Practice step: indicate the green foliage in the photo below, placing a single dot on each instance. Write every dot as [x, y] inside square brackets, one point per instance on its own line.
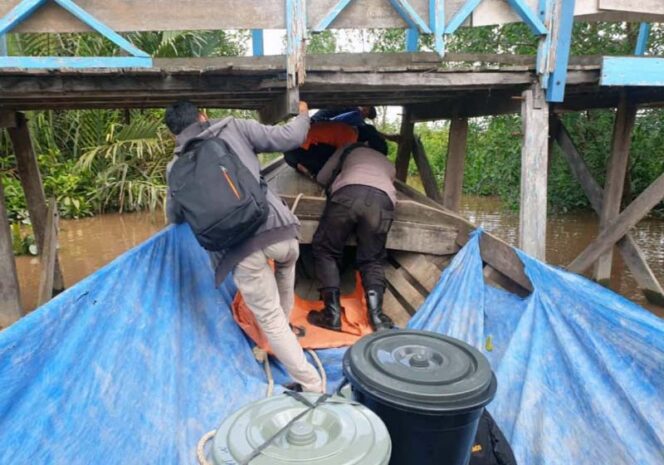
[101, 160]
[114, 160]
[493, 158]
[323, 42]
[22, 244]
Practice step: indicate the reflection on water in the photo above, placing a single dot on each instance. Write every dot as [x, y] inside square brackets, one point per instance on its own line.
[88, 244]
[568, 235]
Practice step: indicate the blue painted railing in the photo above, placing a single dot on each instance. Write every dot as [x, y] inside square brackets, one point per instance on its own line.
[22, 11]
[553, 22]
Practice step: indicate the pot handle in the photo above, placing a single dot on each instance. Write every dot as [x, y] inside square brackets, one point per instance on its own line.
[343, 384]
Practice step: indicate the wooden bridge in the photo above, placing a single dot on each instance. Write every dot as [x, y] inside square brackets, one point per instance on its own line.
[430, 86]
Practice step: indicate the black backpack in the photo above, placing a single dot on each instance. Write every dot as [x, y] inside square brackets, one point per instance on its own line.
[490, 446]
[218, 196]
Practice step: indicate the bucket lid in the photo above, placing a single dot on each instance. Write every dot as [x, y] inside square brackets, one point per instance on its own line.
[421, 370]
[337, 432]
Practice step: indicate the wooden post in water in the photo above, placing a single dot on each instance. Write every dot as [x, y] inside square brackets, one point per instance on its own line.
[615, 180]
[425, 170]
[405, 145]
[620, 225]
[48, 255]
[534, 164]
[28, 170]
[456, 155]
[10, 296]
[631, 253]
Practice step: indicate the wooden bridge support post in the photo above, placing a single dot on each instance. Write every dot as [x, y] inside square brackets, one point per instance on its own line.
[620, 225]
[456, 155]
[28, 170]
[405, 145]
[630, 251]
[615, 180]
[10, 295]
[534, 164]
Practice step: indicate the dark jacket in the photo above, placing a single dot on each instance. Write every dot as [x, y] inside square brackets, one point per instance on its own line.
[247, 138]
[364, 167]
[490, 446]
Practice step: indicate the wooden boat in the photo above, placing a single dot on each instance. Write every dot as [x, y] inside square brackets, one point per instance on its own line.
[422, 241]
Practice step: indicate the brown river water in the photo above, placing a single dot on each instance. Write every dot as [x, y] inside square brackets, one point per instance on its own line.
[88, 244]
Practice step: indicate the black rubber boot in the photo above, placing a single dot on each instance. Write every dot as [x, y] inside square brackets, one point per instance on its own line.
[378, 320]
[330, 316]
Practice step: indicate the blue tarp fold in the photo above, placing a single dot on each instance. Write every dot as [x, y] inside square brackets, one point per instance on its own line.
[136, 362]
[580, 369]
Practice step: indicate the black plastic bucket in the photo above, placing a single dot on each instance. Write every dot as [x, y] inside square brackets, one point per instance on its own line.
[430, 391]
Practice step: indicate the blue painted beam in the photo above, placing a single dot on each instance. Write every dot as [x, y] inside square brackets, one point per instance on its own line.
[331, 16]
[18, 14]
[632, 71]
[531, 19]
[461, 16]
[257, 42]
[545, 13]
[642, 41]
[412, 40]
[74, 62]
[101, 28]
[409, 15]
[437, 24]
[555, 90]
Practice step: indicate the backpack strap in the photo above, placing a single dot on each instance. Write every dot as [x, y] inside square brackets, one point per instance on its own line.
[195, 140]
[340, 164]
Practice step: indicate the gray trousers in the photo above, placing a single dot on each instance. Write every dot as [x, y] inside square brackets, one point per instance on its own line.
[270, 296]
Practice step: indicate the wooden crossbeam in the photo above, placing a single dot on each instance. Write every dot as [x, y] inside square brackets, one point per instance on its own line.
[485, 104]
[617, 228]
[615, 180]
[630, 251]
[425, 170]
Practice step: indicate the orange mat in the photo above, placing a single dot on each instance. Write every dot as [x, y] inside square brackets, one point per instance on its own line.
[354, 323]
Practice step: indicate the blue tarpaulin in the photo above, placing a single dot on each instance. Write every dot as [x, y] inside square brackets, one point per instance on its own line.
[136, 362]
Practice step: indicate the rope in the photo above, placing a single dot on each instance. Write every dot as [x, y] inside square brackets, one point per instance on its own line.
[270, 379]
[263, 357]
[200, 448]
[321, 368]
[296, 202]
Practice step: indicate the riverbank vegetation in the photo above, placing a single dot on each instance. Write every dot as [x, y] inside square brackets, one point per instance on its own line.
[114, 160]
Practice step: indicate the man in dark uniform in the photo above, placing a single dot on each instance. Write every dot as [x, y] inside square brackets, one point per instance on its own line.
[361, 200]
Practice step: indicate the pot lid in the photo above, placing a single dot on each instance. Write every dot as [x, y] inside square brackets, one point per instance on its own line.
[337, 432]
[421, 370]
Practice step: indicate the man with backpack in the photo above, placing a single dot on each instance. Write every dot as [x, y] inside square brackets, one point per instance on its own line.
[214, 184]
[361, 197]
